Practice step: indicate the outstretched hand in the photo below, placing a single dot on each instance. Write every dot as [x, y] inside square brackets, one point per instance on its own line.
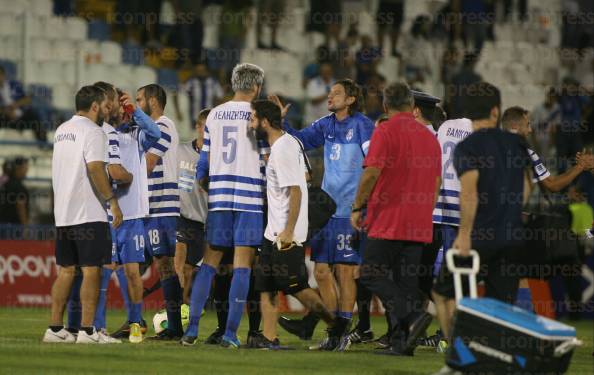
[585, 160]
[276, 100]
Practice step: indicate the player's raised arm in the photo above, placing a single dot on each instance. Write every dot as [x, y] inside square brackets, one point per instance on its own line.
[149, 133]
[311, 137]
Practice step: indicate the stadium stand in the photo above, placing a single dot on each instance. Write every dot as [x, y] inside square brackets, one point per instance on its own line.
[53, 55]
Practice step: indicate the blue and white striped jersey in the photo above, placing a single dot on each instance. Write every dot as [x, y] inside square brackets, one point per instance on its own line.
[236, 181]
[127, 146]
[113, 144]
[539, 171]
[162, 182]
[447, 208]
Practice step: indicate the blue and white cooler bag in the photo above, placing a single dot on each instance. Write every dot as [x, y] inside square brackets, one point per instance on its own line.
[493, 337]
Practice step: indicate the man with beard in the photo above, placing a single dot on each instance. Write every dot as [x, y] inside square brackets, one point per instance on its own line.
[164, 206]
[81, 192]
[127, 169]
[231, 159]
[286, 227]
[345, 135]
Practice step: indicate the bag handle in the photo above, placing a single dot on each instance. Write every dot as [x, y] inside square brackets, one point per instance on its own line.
[305, 158]
[459, 271]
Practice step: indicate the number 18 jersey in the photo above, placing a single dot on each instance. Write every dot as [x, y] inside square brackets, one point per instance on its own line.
[447, 208]
[236, 181]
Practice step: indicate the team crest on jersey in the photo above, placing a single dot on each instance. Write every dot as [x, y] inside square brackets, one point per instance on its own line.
[349, 135]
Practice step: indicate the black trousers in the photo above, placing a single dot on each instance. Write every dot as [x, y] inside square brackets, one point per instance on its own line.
[390, 271]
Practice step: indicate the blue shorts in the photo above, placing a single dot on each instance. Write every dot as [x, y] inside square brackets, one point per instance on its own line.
[338, 243]
[161, 232]
[228, 229]
[129, 242]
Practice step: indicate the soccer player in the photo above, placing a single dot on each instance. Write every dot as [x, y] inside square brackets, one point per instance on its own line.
[193, 206]
[516, 120]
[345, 135]
[231, 158]
[286, 228]
[81, 192]
[161, 162]
[136, 137]
[118, 175]
[446, 215]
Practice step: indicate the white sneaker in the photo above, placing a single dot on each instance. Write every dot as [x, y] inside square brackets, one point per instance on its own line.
[60, 337]
[105, 338]
[85, 338]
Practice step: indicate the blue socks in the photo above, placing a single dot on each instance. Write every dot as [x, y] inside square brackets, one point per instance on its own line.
[200, 293]
[240, 285]
[135, 313]
[102, 302]
[73, 306]
[123, 281]
[524, 299]
[345, 315]
[173, 299]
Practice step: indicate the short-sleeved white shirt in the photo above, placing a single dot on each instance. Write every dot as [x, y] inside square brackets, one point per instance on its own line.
[285, 168]
[77, 142]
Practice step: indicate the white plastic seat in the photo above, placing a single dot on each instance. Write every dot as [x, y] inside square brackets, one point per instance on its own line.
[64, 50]
[76, 28]
[41, 7]
[111, 52]
[55, 27]
[10, 24]
[388, 67]
[13, 6]
[50, 72]
[143, 75]
[36, 26]
[10, 47]
[41, 49]
[63, 96]
[69, 72]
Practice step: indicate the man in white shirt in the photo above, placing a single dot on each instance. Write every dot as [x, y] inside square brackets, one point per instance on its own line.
[316, 92]
[287, 225]
[81, 193]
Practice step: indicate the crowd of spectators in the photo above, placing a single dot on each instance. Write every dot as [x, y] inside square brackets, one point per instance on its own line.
[169, 34]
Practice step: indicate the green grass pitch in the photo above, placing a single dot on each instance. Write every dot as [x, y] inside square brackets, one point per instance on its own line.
[21, 352]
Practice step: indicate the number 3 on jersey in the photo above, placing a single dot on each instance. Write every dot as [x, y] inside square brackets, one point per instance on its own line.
[230, 141]
[335, 155]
